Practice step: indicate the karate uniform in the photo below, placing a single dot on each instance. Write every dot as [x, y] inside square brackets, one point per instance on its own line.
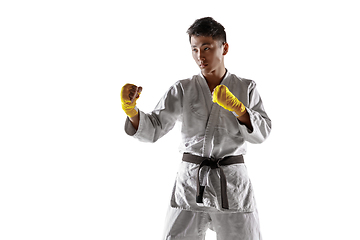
[210, 131]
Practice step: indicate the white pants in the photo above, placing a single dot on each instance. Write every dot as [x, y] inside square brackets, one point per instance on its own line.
[188, 225]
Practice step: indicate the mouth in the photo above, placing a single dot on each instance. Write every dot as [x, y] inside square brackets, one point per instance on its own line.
[203, 65]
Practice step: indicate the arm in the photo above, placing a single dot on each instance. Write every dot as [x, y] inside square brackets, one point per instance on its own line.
[152, 126]
[245, 120]
[254, 125]
[135, 121]
[227, 100]
[259, 119]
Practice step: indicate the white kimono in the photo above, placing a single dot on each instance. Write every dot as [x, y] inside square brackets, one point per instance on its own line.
[208, 130]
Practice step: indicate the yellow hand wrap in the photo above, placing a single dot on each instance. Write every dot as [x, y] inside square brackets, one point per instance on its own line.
[127, 105]
[227, 100]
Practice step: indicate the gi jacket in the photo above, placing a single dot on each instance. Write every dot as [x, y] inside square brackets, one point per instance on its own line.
[208, 130]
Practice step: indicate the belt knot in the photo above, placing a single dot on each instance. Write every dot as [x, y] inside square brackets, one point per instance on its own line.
[213, 164]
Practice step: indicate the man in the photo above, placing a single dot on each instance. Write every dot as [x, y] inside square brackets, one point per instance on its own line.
[219, 112]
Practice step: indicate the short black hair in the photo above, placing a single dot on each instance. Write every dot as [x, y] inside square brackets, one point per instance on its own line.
[207, 27]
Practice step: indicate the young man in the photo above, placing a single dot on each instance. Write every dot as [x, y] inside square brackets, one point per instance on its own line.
[219, 112]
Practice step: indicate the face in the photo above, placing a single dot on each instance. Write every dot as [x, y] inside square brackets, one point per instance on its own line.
[208, 53]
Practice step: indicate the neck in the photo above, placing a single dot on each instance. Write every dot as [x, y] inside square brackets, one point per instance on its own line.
[214, 78]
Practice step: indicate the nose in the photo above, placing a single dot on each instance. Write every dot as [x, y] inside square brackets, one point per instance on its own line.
[200, 56]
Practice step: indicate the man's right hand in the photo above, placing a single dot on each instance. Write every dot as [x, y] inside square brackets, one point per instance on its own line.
[129, 94]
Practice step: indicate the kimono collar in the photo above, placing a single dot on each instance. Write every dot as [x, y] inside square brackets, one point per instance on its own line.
[206, 91]
[224, 81]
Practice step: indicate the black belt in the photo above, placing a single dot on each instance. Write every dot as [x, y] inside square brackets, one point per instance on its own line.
[213, 164]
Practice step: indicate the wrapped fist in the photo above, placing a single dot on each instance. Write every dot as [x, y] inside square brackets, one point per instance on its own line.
[129, 94]
[227, 100]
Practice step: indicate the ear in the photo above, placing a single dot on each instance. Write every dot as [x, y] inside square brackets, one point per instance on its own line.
[226, 48]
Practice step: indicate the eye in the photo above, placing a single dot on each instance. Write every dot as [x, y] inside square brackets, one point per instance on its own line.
[205, 49]
[194, 50]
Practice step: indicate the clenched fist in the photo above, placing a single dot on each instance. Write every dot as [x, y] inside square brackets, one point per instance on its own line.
[227, 100]
[129, 94]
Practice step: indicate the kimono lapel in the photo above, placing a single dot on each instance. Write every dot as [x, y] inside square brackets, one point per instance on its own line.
[226, 80]
[208, 143]
[214, 110]
[205, 91]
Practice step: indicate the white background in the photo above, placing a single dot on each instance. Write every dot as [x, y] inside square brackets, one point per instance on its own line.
[69, 171]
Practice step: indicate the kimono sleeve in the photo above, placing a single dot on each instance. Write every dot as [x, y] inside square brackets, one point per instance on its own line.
[260, 121]
[161, 120]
